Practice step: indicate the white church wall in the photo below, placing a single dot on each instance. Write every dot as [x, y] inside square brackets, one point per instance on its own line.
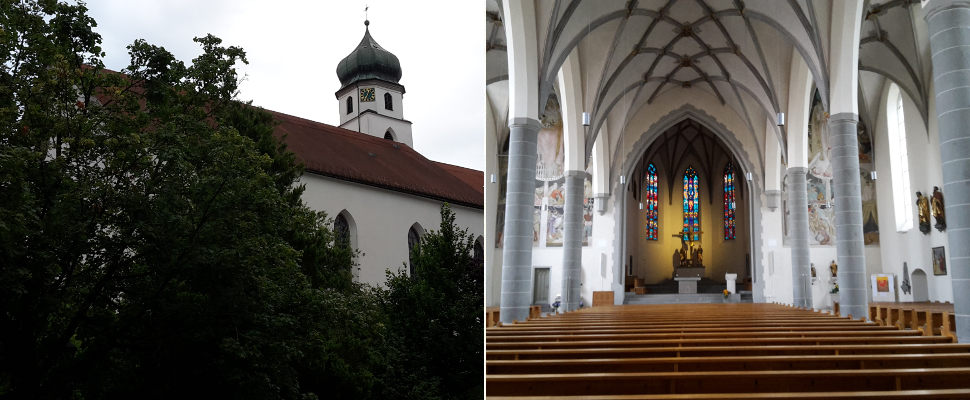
[776, 258]
[381, 229]
[912, 247]
[598, 256]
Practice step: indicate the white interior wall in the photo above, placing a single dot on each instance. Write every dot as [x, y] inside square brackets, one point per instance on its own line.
[912, 246]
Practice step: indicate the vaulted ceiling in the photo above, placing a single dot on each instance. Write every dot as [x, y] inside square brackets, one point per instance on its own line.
[632, 53]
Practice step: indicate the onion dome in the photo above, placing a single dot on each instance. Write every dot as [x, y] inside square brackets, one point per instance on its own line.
[369, 61]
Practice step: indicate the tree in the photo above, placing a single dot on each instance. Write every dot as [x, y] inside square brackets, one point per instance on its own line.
[436, 313]
[152, 238]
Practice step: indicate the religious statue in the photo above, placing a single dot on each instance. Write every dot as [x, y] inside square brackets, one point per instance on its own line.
[683, 252]
[690, 255]
[834, 268]
[923, 204]
[938, 212]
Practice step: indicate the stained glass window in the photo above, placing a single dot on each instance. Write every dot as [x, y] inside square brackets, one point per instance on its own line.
[729, 204]
[692, 205]
[650, 198]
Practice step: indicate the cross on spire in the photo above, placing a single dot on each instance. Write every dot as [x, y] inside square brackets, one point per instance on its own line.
[366, 20]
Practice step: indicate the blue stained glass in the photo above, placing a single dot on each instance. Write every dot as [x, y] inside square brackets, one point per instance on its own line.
[652, 207]
[692, 206]
[729, 202]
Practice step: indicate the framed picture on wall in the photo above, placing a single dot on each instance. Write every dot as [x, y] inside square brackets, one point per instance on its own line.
[939, 261]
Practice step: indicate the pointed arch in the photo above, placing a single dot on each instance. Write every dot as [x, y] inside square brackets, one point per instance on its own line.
[389, 134]
[415, 232]
[652, 206]
[345, 229]
[478, 252]
[345, 234]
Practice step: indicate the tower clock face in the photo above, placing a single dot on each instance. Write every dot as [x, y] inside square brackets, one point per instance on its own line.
[367, 94]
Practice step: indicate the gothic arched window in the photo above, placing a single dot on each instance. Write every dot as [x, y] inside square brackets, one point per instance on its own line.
[388, 102]
[414, 245]
[341, 230]
[350, 104]
[899, 160]
[729, 202]
[652, 205]
[478, 253]
[389, 135]
[692, 205]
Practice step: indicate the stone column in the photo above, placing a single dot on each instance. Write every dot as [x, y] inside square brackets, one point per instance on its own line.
[849, 245]
[798, 204]
[517, 234]
[949, 32]
[572, 242]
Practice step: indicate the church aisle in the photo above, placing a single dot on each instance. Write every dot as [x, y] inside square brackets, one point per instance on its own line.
[719, 351]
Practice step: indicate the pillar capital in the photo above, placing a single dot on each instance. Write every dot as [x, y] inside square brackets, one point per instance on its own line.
[531, 124]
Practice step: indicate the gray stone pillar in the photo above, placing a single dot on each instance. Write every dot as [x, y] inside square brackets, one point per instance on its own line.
[949, 32]
[572, 242]
[800, 269]
[849, 245]
[517, 235]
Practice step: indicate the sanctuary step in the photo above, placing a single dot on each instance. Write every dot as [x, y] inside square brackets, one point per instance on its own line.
[677, 298]
[669, 286]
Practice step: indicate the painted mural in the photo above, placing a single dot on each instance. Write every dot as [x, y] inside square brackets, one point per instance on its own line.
[549, 201]
[821, 195]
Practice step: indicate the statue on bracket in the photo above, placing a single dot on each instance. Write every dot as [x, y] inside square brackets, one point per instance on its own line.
[834, 269]
[923, 205]
[938, 212]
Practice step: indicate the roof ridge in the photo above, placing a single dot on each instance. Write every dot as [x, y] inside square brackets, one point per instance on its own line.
[344, 131]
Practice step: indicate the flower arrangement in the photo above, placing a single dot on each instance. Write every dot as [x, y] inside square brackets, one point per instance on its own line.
[726, 293]
[835, 289]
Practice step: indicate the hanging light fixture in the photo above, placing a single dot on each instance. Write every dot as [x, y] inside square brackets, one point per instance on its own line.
[622, 180]
[585, 119]
[781, 119]
[641, 205]
[492, 178]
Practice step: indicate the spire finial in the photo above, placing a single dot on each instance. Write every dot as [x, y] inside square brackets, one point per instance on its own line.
[366, 21]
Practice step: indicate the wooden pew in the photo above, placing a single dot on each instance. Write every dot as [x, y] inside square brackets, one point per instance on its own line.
[491, 316]
[728, 363]
[741, 381]
[725, 350]
[934, 394]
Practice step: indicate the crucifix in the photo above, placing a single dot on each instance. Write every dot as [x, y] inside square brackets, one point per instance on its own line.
[689, 255]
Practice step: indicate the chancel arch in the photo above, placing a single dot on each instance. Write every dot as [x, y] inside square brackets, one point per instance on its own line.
[688, 160]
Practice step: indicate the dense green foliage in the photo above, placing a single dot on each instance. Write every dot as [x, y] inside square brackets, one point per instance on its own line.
[436, 312]
[153, 243]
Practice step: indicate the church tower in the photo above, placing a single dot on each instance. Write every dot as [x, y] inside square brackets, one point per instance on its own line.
[370, 97]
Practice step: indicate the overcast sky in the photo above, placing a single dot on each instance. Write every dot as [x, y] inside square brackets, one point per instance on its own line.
[294, 46]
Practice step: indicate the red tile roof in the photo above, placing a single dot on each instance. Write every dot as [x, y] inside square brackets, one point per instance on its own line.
[356, 157]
